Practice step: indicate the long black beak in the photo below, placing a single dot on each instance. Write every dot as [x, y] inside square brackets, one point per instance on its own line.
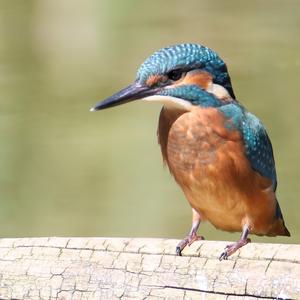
[132, 92]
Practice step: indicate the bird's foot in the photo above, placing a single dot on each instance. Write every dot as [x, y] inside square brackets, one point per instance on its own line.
[230, 249]
[188, 241]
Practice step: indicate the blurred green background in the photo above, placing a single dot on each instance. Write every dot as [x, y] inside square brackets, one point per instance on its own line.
[66, 171]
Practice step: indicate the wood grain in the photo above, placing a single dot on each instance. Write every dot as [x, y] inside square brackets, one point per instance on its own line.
[124, 268]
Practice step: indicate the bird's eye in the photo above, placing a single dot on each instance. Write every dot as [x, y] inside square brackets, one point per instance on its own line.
[175, 74]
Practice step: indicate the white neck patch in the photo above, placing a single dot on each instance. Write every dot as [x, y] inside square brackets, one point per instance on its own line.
[219, 91]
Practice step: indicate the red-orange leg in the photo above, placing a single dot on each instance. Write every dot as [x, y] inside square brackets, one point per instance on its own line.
[192, 236]
[230, 249]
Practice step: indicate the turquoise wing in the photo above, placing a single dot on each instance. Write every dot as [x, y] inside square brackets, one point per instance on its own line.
[258, 147]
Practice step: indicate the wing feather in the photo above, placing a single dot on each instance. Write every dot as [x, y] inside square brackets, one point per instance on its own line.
[258, 147]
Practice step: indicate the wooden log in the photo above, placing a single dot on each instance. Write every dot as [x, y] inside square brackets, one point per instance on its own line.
[123, 268]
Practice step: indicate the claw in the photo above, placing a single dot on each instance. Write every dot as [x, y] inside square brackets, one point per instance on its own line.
[223, 256]
[178, 251]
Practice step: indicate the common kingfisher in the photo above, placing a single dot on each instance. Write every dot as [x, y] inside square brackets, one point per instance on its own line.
[218, 152]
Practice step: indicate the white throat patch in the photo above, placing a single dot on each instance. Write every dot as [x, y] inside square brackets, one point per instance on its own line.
[170, 102]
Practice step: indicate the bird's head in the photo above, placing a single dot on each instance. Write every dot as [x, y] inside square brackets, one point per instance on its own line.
[180, 75]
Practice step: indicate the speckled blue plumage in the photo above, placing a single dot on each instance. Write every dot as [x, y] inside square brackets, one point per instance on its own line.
[186, 56]
[258, 147]
[257, 143]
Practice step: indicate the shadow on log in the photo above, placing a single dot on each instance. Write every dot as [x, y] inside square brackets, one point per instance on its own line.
[120, 268]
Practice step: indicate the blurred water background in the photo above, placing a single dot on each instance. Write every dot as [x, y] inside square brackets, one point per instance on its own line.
[68, 172]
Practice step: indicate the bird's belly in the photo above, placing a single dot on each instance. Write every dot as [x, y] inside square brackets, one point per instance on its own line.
[208, 162]
[200, 173]
[226, 212]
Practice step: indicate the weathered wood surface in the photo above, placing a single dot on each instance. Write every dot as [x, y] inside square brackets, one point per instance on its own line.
[120, 268]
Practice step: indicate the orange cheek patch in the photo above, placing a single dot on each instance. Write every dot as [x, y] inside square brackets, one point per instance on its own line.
[154, 79]
[202, 79]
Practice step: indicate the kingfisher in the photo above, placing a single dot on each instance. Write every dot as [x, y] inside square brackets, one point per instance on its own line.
[218, 152]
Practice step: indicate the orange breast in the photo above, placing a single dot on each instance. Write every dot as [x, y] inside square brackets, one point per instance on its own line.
[208, 162]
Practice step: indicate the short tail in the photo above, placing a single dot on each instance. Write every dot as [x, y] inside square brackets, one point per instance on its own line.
[286, 231]
[278, 227]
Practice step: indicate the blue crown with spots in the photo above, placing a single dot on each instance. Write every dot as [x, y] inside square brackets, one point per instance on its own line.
[192, 56]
